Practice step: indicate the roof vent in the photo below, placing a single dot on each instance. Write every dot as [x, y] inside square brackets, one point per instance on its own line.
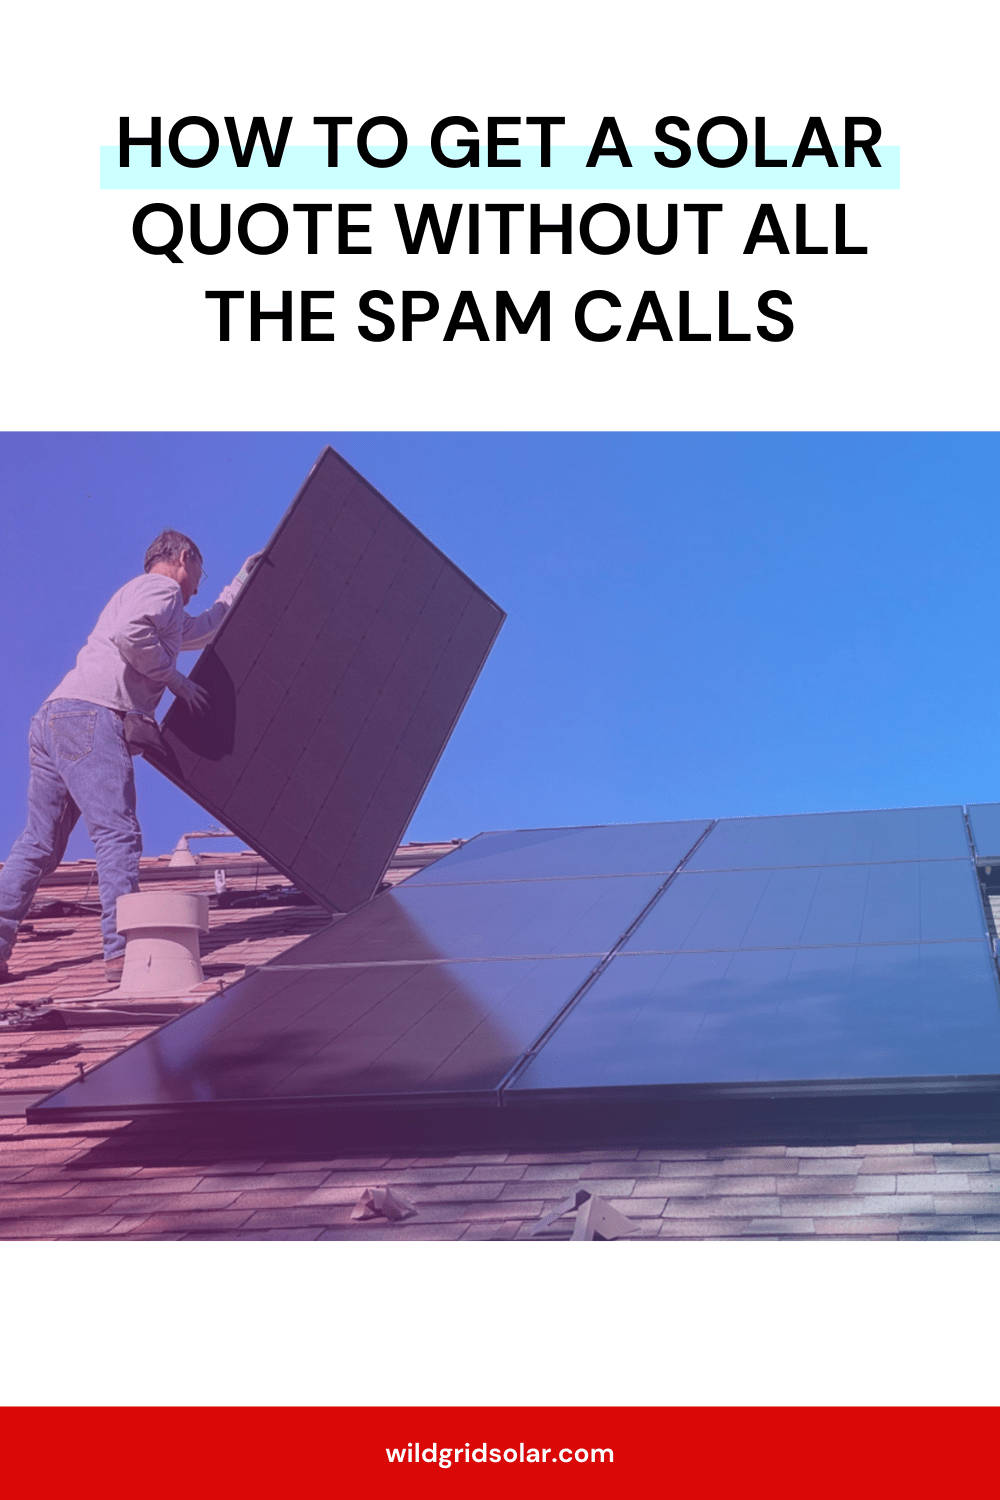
[161, 941]
[182, 855]
[595, 1218]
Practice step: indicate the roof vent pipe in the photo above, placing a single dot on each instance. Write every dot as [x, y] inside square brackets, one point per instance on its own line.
[161, 941]
[182, 854]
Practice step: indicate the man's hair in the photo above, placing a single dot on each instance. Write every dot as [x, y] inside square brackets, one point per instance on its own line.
[168, 547]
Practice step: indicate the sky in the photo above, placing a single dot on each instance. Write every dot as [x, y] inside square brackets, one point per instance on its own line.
[699, 624]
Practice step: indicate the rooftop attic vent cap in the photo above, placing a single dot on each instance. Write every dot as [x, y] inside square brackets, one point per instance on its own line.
[161, 930]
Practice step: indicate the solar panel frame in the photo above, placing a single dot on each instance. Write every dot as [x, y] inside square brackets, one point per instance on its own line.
[984, 829]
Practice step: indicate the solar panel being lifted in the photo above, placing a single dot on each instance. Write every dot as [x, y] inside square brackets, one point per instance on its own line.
[334, 684]
[839, 953]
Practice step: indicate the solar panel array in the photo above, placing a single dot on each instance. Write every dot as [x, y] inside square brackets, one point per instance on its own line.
[831, 947]
[585, 963]
[334, 684]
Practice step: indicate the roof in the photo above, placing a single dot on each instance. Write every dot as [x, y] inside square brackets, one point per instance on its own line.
[140, 1180]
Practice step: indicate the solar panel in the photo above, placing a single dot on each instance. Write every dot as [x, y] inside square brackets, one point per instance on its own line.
[904, 1011]
[834, 838]
[815, 907]
[366, 1032]
[984, 822]
[514, 919]
[585, 963]
[545, 853]
[334, 684]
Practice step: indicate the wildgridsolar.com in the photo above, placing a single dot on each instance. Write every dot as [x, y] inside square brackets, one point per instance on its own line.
[445, 1457]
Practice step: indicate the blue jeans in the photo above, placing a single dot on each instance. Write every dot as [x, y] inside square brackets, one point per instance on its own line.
[79, 764]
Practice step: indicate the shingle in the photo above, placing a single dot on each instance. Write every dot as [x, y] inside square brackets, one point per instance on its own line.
[445, 1231]
[836, 1166]
[638, 1208]
[967, 1161]
[15, 1209]
[287, 1233]
[721, 1206]
[262, 1182]
[826, 1152]
[934, 1182]
[910, 1166]
[826, 1186]
[279, 1197]
[861, 1204]
[703, 1228]
[731, 1166]
[623, 1167]
[505, 1229]
[145, 1185]
[969, 1203]
[785, 1225]
[17, 1192]
[455, 1192]
[63, 1226]
[193, 1203]
[862, 1227]
[553, 1190]
[881, 1149]
[950, 1149]
[172, 1223]
[696, 1187]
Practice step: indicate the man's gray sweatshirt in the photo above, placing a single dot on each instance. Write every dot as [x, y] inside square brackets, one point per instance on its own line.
[130, 655]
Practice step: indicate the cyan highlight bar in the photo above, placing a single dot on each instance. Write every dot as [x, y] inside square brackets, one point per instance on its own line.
[305, 168]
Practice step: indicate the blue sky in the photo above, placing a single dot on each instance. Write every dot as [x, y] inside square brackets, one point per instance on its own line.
[699, 624]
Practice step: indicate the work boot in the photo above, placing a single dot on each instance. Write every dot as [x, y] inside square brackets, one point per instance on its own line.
[113, 969]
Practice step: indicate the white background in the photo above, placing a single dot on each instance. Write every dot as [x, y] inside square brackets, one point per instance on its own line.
[98, 336]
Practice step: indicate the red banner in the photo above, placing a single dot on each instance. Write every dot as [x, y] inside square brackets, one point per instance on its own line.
[193, 1452]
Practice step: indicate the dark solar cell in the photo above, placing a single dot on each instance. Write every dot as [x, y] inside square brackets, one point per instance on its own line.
[334, 684]
[386, 1030]
[543, 853]
[834, 838]
[984, 819]
[906, 1011]
[806, 907]
[516, 919]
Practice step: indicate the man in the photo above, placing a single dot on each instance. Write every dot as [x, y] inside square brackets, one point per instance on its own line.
[78, 744]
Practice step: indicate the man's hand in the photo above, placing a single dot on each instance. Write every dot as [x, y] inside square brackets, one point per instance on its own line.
[248, 567]
[190, 693]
